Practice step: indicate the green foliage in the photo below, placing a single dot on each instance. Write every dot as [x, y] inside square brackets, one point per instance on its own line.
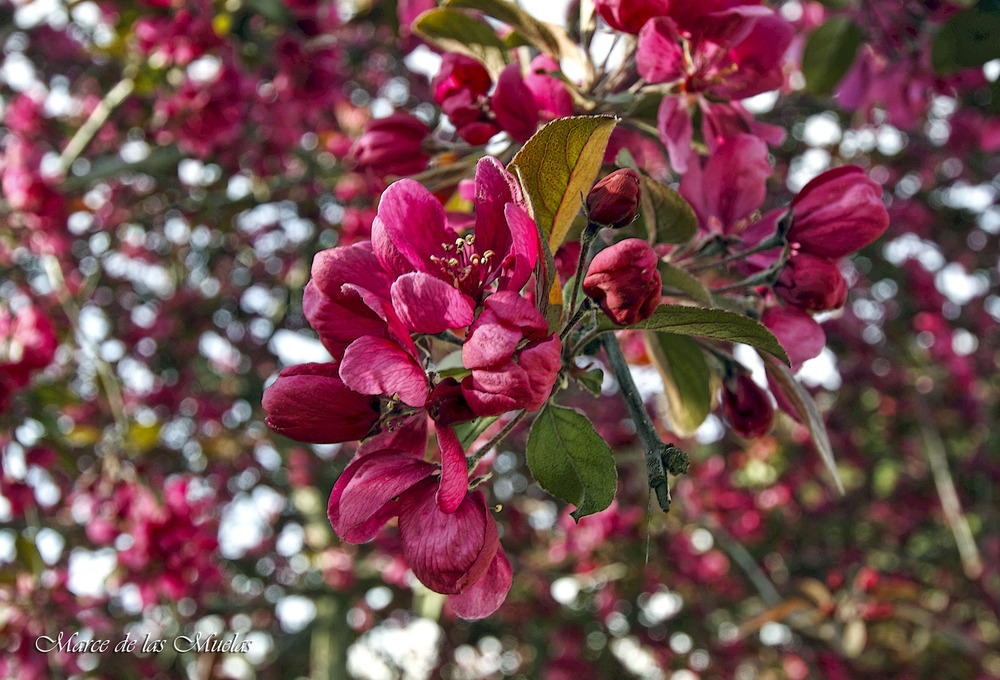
[708, 323]
[681, 363]
[969, 39]
[808, 413]
[829, 53]
[681, 280]
[669, 218]
[571, 461]
[558, 166]
[456, 31]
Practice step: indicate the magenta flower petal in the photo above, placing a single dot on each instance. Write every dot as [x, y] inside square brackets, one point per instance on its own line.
[448, 552]
[502, 388]
[673, 122]
[310, 403]
[489, 341]
[523, 253]
[541, 363]
[837, 213]
[735, 179]
[487, 594]
[379, 366]
[362, 499]
[357, 264]
[801, 336]
[513, 104]
[414, 222]
[388, 255]
[454, 471]
[429, 305]
[339, 323]
[659, 57]
[494, 188]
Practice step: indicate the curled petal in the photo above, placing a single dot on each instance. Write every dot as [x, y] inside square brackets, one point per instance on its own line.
[362, 499]
[494, 188]
[490, 341]
[487, 594]
[454, 471]
[520, 260]
[378, 366]
[497, 390]
[659, 57]
[339, 323]
[448, 552]
[541, 363]
[357, 264]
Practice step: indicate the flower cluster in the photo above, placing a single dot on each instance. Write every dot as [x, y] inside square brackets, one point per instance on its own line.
[380, 307]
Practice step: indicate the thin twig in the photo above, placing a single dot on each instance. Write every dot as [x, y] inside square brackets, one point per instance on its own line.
[934, 449]
[115, 96]
[473, 460]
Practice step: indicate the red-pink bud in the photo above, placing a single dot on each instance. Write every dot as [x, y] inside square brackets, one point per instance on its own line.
[812, 283]
[615, 199]
[624, 281]
[747, 407]
[393, 145]
[837, 213]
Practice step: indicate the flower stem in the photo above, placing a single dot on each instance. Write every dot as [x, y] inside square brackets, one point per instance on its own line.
[473, 460]
[661, 458]
[586, 240]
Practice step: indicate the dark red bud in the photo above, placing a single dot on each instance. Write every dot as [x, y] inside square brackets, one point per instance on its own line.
[747, 407]
[615, 199]
[625, 282]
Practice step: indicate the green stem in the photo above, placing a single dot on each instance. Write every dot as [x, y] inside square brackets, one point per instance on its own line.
[115, 96]
[661, 458]
[473, 460]
[586, 241]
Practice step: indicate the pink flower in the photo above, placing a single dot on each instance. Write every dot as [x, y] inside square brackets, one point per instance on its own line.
[461, 88]
[625, 282]
[730, 186]
[811, 283]
[454, 552]
[747, 407]
[27, 344]
[837, 213]
[513, 357]
[410, 234]
[716, 57]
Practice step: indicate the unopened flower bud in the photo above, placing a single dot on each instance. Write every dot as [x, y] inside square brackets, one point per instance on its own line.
[393, 145]
[747, 407]
[837, 213]
[625, 282]
[812, 283]
[615, 199]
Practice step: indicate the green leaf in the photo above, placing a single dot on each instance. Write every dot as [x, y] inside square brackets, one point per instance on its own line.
[571, 461]
[538, 34]
[707, 323]
[667, 214]
[469, 430]
[456, 31]
[557, 167]
[675, 278]
[829, 53]
[969, 39]
[591, 380]
[686, 379]
[808, 413]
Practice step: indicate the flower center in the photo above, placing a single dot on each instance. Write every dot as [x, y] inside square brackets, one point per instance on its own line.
[463, 265]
